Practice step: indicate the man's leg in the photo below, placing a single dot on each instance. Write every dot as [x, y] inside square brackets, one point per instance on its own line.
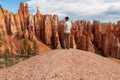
[64, 46]
[68, 40]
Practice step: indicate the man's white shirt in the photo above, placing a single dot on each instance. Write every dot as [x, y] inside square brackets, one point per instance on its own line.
[67, 26]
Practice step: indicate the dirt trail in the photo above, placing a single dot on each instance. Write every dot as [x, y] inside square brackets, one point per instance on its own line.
[64, 65]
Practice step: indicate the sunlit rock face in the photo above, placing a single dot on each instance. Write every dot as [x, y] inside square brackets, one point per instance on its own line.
[2, 22]
[94, 37]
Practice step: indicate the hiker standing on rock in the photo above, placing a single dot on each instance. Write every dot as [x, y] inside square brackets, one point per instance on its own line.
[67, 28]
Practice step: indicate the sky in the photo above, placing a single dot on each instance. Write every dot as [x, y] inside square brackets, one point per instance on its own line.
[102, 10]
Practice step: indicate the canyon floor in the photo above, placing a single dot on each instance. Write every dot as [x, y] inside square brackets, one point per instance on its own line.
[64, 64]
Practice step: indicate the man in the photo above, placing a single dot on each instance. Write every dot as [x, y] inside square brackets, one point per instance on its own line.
[67, 28]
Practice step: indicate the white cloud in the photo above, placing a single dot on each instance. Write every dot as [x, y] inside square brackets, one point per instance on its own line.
[75, 8]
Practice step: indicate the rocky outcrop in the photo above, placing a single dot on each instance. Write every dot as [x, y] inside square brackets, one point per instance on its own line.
[2, 22]
[24, 15]
[61, 32]
[97, 34]
[18, 26]
[38, 23]
[73, 44]
[55, 35]
[94, 37]
[12, 25]
[115, 51]
[47, 29]
[109, 40]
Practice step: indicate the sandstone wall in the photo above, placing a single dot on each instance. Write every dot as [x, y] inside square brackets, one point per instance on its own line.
[93, 37]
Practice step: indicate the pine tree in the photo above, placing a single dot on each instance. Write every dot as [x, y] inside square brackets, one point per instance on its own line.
[35, 48]
[25, 44]
[1, 43]
[0, 40]
[29, 51]
[5, 56]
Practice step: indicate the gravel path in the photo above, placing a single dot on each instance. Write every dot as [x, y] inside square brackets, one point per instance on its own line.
[64, 65]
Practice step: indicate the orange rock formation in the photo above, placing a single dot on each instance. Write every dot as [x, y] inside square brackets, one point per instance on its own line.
[93, 37]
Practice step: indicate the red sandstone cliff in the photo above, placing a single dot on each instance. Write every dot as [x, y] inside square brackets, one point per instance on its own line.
[93, 37]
